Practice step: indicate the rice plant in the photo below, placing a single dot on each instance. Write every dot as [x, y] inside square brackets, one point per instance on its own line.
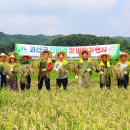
[85, 79]
[75, 109]
[70, 67]
[2, 67]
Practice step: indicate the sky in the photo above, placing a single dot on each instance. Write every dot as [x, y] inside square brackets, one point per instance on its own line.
[52, 17]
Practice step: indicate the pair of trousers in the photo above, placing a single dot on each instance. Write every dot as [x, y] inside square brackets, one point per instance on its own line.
[3, 81]
[45, 79]
[14, 83]
[123, 82]
[26, 86]
[63, 82]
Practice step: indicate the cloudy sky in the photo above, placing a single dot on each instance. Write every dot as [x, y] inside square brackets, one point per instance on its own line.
[51, 17]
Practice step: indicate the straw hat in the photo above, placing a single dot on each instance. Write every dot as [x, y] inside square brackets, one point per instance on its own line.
[12, 56]
[22, 57]
[49, 52]
[3, 54]
[61, 52]
[108, 56]
[86, 51]
[122, 53]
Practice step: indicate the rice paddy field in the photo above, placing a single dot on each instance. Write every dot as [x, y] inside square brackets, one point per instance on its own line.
[75, 109]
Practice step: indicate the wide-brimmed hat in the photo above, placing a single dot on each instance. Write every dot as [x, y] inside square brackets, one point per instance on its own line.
[22, 57]
[61, 52]
[48, 51]
[108, 56]
[122, 53]
[3, 54]
[12, 56]
[84, 51]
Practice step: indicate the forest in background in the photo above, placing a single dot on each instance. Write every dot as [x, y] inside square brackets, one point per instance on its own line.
[7, 42]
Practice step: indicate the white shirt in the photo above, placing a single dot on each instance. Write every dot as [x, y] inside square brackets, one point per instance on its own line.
[57, 67]
[123, 66]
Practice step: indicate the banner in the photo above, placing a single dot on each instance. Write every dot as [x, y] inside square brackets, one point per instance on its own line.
[72, 52]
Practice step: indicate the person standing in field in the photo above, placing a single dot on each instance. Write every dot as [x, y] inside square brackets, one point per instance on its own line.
[61, 78]
[84, 69]
[45, 66]
[25, 63]
[3, 75]
[122, 64]
[105, 79]
[13, 82]
[85, 59]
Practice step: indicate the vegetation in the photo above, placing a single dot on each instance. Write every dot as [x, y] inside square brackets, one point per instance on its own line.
[7, 42]
[86, 109]
[75, 109]
[92, 109]
[88, 40]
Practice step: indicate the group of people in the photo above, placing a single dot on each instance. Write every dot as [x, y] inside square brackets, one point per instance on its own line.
[122, 77]
[61, 80]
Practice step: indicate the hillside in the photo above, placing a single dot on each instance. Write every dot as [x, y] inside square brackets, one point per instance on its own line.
[122, 38]
[7, 42]
[30, 39]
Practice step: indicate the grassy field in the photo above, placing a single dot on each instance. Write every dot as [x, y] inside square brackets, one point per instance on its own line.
[75, 109]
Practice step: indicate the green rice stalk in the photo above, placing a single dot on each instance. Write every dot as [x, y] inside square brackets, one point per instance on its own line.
[117, 72]
[69, 67]
[127, 69]
[25, 70]
[2, 67]
[85, 80]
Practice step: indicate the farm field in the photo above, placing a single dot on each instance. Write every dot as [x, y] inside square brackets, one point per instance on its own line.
[75, 109]
[83, 45]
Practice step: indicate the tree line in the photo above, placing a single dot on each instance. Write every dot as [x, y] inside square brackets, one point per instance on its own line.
[7, 42]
